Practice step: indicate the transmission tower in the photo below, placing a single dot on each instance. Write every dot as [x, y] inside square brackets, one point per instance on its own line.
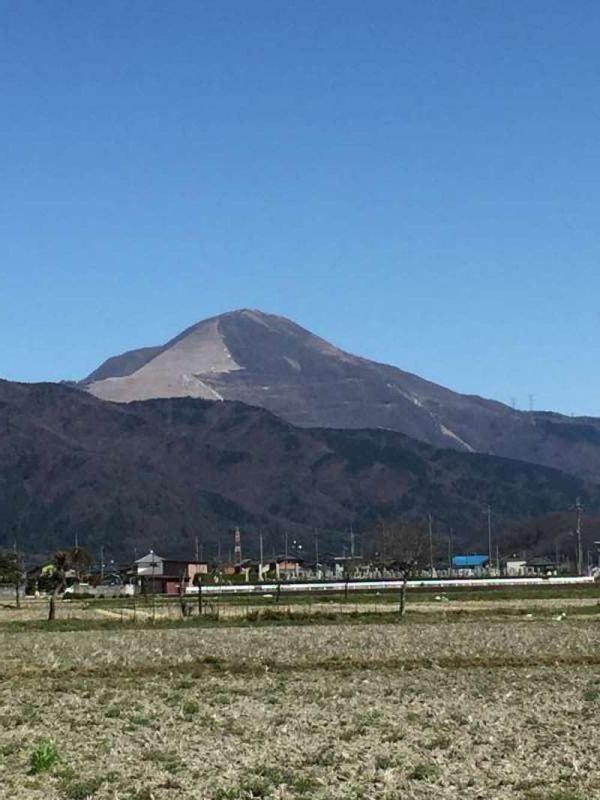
[237, 546]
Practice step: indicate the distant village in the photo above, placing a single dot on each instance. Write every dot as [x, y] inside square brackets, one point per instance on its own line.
[160, 573]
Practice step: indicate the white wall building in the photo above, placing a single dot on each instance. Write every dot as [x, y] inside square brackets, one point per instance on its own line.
[151, 564]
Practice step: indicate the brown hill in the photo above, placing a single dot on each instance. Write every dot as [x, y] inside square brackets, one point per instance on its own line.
[161, 472]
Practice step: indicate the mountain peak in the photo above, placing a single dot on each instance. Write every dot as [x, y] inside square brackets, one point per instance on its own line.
[267, 360]
[264, 318]
[205, 348]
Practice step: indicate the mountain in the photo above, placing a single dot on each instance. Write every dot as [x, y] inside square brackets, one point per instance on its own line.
[159, 473]
[269, 361]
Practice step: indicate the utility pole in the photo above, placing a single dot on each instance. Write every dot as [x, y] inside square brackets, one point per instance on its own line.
[153, 587]
[18, 576]
[430, 526]
[351, 541]
[489, 519]
[316, 549]
[450, 551]
[197, 551]
[579, 512]
[102, 563]
[260, 566]
[286, 543]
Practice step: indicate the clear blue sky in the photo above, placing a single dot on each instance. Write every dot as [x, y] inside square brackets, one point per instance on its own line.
[418, 182]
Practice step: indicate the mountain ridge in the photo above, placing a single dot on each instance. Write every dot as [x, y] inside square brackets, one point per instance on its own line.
[269, 361]
[158, 473]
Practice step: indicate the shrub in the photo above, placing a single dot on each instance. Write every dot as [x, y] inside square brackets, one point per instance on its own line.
[44, 757]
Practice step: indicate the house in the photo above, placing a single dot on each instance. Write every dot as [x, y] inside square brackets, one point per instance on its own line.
[541, 565]
[151, 564]
[247, 567]
[470, 566]
[515, 567]
[164, 575]
[286, 567]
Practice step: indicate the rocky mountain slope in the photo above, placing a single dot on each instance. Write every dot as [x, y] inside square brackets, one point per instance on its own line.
[161, 472]
[269, 361]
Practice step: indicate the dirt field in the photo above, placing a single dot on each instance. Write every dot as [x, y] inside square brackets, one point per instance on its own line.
[455, 710]
[443, 606]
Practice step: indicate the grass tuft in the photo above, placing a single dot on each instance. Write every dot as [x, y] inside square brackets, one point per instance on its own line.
[45, 757]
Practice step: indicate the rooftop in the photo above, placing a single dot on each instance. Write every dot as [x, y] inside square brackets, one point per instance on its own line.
[469, 561]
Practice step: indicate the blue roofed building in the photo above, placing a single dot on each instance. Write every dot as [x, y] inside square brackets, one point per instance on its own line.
[470, 565]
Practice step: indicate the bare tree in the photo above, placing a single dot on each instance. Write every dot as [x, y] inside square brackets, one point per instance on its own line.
[350, 565]
[11, 573]
[73, 559]
[401, 548]
[183, 604]
[198, 582]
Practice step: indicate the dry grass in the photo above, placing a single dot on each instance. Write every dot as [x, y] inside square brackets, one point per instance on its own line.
[463, 605]
[445, 711]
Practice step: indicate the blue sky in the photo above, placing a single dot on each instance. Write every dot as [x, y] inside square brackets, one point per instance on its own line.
[418, 182]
